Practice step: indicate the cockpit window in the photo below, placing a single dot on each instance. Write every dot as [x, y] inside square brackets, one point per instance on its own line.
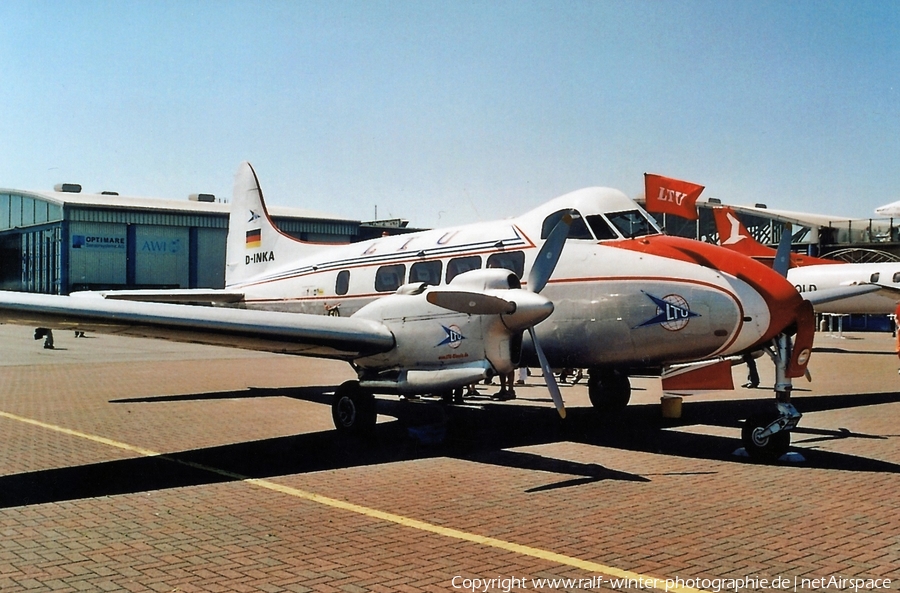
[631, 223]
[578, 229]
[601, 228]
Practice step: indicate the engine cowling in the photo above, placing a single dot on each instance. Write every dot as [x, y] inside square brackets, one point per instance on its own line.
[438, 348]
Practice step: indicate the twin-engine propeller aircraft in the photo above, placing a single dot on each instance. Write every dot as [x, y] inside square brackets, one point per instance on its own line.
[832, 286]
[586, 280]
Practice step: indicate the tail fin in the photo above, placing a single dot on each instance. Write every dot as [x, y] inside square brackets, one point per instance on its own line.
[255, 246]
[735, 236]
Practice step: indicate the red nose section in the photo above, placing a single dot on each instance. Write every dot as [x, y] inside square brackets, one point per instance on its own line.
[782, 298]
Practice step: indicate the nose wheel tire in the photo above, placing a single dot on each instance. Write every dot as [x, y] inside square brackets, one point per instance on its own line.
[764, 448]
[353, 409]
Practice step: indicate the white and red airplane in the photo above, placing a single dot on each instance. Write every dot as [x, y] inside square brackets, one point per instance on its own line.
[838, 287]
[587, 276]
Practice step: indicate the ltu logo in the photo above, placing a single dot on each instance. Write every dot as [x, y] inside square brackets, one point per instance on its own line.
[454, 336]
[670, 195]
[672, 312]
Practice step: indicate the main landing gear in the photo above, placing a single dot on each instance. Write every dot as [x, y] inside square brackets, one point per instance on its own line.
[353, 409]
[609, 390]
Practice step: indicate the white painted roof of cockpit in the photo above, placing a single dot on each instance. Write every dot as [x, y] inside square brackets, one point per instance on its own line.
[589, 200]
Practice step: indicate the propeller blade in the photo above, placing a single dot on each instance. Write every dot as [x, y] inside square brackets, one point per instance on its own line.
[473, 303]
[548, 256]
[783, 255]
[548, 376]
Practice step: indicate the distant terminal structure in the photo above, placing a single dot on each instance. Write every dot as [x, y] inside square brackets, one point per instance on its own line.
[61, 241]
[850, 240]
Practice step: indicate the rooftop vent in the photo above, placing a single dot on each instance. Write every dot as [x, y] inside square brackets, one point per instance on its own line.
[202, 198]
[760, 205]
[69, 188]
[714, 201]
[109, 193]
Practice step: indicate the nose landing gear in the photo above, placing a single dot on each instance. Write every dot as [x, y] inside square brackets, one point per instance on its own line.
[767, 436]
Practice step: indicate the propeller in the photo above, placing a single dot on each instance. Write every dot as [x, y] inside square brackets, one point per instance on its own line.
[528, 309]
[474, 303]
[548, 256]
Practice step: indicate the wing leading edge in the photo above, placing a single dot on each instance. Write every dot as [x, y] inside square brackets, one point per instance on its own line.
[270, 331]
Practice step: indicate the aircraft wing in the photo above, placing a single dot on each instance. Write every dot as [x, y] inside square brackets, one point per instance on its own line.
[287, 333]
[828, 295]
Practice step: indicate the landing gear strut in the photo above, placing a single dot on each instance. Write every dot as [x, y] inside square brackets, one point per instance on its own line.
[766, 437]
[353, 409]
[609, 390]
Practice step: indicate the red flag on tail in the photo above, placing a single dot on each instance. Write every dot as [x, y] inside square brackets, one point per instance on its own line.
[671, 196]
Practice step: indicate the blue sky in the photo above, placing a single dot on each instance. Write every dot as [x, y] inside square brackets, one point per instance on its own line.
[446, 112]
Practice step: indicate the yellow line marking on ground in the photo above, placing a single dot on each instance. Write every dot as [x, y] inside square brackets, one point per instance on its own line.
[523, 550]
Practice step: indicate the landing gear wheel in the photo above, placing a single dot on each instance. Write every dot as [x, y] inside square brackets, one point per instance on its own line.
[609, 390]
[767, 448]
[353, 409]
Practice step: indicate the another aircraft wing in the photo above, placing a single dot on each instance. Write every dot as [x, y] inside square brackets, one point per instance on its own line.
[287, 333]
[828, 295]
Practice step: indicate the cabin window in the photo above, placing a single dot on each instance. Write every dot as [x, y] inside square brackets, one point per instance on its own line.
[342, 284]
[458, 265]
[428, 272]
[577, 230]
[514, 261]
[631, 224]
[874, 277]
[389, 278]
[601, 228]
[896, 277]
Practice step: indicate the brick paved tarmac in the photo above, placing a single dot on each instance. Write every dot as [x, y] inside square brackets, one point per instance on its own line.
[168, 467]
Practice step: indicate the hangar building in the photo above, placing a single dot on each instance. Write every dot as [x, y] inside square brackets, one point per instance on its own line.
[62, 241]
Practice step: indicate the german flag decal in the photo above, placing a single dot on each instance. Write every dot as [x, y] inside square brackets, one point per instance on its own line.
[254, 239]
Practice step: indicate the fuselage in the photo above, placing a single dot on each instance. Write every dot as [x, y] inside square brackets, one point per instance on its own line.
[623, 294]
[809, 279]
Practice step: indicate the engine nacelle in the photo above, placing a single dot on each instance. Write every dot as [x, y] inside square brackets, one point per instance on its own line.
[437, 348]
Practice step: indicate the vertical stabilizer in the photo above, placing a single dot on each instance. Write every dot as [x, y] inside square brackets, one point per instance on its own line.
[255, 247]
[735, 236]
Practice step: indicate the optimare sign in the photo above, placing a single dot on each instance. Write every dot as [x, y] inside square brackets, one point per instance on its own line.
[97, 242]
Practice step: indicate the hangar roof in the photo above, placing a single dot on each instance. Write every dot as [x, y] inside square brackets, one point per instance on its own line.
[160, 204]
